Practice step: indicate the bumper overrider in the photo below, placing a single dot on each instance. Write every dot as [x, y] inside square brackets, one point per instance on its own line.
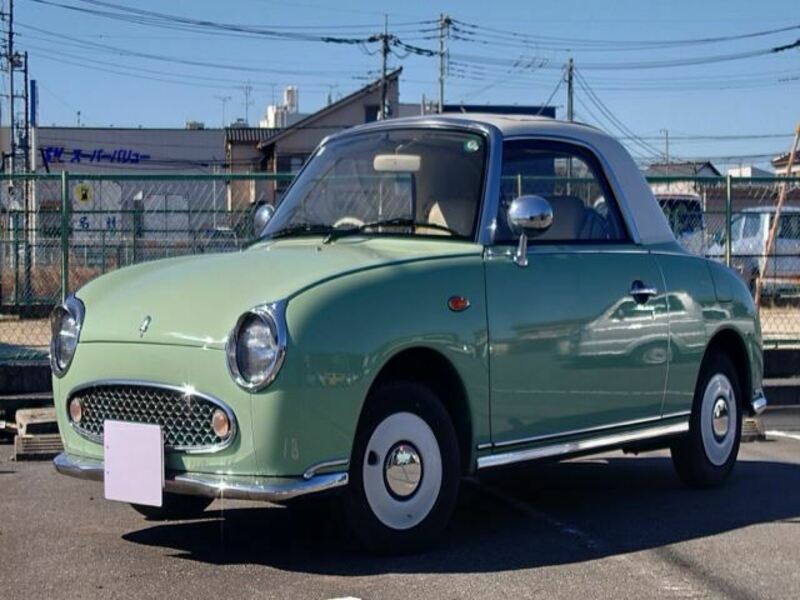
[237, 487]
[759, 402]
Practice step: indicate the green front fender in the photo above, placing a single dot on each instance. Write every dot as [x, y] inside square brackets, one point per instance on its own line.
[344, 331]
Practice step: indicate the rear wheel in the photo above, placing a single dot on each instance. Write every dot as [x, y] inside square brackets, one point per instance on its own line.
[706, 456]
[405, 470]
[174, 506]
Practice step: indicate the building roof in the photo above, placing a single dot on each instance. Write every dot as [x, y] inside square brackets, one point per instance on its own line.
[331, 108]
[249, 135]
[782, 160]
[681, 169]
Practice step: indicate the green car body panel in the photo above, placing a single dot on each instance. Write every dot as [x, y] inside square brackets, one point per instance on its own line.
[550, 351]
[392, 292]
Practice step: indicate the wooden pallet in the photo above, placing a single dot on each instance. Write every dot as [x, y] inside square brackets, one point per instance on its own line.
[37, 447]
[37, 436]
[753, 430]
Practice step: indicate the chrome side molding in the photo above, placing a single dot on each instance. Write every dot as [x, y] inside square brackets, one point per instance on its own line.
[574, 447]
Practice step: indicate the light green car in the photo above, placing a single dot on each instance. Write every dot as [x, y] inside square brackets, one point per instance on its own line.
[432, 297]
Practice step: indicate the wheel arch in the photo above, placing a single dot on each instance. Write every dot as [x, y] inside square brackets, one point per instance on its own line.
[730, 342]
[432, 368]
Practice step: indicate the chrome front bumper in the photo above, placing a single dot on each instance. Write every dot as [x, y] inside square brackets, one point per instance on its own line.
[238, 487]
[758, 403]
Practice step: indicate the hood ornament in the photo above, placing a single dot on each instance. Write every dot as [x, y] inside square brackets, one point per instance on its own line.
[145, 325]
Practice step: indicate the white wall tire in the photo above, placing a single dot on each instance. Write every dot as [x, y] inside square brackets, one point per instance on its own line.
[706, 456]
[405, 470]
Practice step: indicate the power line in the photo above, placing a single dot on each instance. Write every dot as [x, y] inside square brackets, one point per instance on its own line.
[571, 44]
[616, 122]
[164, 58]
[139, 16]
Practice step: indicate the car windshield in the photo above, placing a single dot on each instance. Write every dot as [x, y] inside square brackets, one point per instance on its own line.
[397, 182]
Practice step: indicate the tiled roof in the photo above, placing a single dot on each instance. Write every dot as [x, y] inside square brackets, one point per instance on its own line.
[249, 135]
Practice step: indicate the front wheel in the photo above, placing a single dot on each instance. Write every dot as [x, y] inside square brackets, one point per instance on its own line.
[706, 456]
[405, 470]
[174, 506]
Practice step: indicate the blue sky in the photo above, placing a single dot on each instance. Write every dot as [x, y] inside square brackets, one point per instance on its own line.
[509, 52]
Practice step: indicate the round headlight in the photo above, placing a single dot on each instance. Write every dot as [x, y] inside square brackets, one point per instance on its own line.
[65, 323]
[255, 348]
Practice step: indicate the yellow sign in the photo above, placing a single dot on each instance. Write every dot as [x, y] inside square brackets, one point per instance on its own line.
[84, 193]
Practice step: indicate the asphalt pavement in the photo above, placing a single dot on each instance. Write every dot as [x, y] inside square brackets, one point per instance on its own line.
[613, 526]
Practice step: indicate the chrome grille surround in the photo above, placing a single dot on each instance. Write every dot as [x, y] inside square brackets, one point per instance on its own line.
[183, 413]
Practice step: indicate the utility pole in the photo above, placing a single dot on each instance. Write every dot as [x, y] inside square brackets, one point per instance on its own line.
[10, 62]
[384, 58]
[570, 89]
[224, 100]
[444, 32]
[26, 120]
[666, 147]
[19, 159]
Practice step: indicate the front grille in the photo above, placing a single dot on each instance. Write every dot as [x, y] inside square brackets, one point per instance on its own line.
[185, 417]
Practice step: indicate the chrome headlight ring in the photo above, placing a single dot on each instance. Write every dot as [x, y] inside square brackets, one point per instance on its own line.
[260, 329]
[66, 322]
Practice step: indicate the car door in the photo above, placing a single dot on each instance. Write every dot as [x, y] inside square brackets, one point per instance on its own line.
[571, 348]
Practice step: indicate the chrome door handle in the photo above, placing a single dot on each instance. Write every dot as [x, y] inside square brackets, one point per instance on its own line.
[641, 292]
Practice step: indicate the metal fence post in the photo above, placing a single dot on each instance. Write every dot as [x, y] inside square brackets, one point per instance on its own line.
[15, 228]
[65, 234]
[728, 218]
[133, 234]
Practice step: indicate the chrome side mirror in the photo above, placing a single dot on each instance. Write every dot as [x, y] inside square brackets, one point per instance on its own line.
[261, 217]
[528, 215]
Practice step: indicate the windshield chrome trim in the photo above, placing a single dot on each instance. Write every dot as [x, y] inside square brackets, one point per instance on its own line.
[486, 215]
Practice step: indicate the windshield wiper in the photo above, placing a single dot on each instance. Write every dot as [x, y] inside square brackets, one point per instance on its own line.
[302, 229]
[335, 234]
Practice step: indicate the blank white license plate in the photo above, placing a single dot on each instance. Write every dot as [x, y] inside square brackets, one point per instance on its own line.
[134, 462]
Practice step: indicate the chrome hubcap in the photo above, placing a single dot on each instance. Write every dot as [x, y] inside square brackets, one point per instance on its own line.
[403, 470]
[720, 418]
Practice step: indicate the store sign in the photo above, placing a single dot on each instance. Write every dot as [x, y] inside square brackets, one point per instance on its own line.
[118, 156]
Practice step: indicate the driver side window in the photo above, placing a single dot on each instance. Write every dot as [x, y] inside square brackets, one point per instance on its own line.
[570, 179]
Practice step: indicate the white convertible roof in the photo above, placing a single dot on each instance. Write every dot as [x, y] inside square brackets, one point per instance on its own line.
[642, 212]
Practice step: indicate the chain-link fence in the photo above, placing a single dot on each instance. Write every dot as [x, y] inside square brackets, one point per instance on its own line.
[732, 220]
[58, 231]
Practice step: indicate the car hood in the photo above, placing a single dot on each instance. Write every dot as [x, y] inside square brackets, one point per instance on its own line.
[196, 300]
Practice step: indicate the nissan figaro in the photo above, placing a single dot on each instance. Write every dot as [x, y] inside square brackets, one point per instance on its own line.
[432, 297]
